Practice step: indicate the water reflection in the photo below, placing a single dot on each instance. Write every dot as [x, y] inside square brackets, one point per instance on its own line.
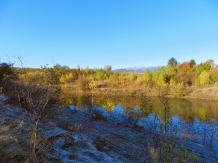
[186, 109]
[186, 118]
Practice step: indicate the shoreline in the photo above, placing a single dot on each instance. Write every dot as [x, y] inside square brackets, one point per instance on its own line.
[75, 132]
[198, 93]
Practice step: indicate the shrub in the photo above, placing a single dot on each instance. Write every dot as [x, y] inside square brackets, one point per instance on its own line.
[6, 72]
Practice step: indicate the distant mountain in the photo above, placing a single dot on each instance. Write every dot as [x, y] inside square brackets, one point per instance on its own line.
[137, 69]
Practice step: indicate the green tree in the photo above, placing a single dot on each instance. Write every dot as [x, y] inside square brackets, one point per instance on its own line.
[203, 67]
[51, 76]
[172, 61]
[61, 69]
[192, 63]
[100, 74]
[54, 74]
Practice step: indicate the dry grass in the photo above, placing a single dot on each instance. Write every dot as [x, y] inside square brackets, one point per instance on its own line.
[14, 145]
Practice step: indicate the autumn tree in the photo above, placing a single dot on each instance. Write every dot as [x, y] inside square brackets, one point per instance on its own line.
[132, 76]
[161, 79]
[214, 75]
[185, 78]
[155, 76]
[113, 78]
[185, 66]
[210, 62]
[184, 75]
[62, 79]
[69, 77]
[204, 78]
[147, 76]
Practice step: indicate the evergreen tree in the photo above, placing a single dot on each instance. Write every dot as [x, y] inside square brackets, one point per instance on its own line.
[172, 62]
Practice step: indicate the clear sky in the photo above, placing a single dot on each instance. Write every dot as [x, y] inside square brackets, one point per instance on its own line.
[120, 33]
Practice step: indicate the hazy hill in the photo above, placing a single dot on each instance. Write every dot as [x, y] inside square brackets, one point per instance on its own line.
[137, 69]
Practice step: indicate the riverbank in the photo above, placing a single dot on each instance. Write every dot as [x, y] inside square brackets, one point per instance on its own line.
[79, 136]
[208, 93]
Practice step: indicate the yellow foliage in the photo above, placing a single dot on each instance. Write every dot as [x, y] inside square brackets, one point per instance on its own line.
[161, 79]
[62, 79]
[204, 78]
[69, 77]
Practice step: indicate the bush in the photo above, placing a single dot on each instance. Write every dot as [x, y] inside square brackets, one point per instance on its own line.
[6, 72]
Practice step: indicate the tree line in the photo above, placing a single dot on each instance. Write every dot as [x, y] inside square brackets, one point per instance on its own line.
[175, 75]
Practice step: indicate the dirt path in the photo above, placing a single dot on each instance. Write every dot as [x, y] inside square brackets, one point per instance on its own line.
[208, 88]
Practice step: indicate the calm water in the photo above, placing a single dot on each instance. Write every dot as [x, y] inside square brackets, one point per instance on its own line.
[186, 109]
[194, 119]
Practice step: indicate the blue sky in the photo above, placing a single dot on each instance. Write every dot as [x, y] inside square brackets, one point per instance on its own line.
[120, 33]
